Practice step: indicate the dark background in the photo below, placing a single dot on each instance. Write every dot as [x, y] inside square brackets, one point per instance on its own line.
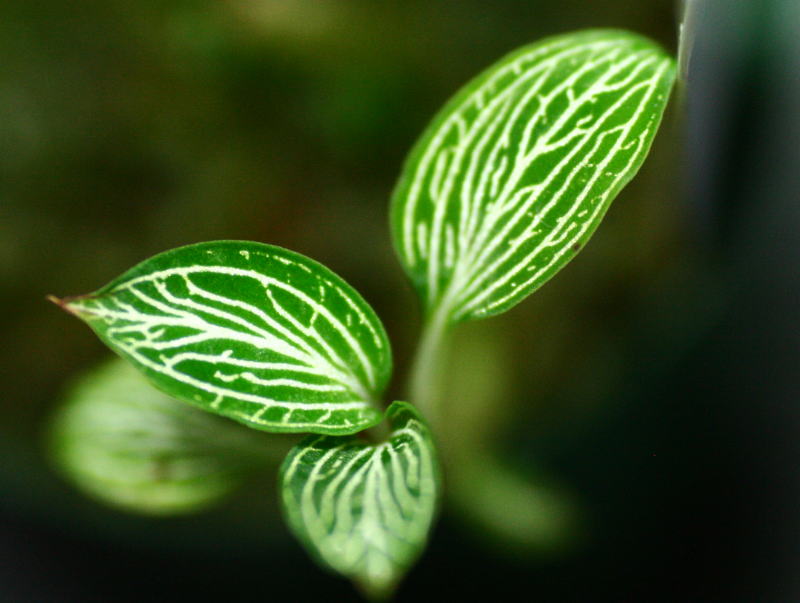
[655, 381]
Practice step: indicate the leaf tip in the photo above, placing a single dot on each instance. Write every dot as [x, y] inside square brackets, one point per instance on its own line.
[377, 589]
[56, 300]
[69, 304]
[61, 302]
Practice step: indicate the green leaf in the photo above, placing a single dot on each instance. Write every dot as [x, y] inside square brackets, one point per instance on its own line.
[513, 176]
[364, 509]
[250, 331]
[515, 512]
[129, 445]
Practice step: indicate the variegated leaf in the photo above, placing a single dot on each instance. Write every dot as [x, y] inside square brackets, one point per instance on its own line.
[249, 331]
[364, 509]
[129, 445]
[515, 173]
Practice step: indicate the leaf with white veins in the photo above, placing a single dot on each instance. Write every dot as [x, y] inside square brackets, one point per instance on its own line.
[364, 509]
[249, 331]
[513, 176]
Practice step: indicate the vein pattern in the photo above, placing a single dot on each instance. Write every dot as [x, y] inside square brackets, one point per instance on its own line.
[364, 510]
[250, 331]
[516, 172]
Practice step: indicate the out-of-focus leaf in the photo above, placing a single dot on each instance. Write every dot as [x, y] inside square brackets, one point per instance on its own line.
[249, 331]
[516, 513]
[127, 444]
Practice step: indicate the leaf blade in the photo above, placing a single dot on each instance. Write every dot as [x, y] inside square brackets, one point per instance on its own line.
[364, 510]
[250, 331]
[130, 446]
[515, 173]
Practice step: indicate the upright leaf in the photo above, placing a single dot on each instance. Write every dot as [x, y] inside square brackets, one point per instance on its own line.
[249, 331]
[364, 509]
[129, 445]
[515, 173]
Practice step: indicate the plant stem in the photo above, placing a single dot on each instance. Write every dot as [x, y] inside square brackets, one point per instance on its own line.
[425, 379]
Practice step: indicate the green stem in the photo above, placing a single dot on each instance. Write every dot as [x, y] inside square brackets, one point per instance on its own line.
[425, 379]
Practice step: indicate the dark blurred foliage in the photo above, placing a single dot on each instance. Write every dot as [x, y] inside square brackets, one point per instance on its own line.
[654, 382]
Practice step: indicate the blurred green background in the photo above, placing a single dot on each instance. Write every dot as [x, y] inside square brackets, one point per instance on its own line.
[627, 434]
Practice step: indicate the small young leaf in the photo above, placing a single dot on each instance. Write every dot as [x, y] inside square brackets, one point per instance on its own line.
[129, 445]
[364, 509]
[249, 331]
[515, 173]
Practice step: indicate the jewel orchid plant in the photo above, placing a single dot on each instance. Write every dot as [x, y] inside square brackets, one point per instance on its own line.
[505, 186]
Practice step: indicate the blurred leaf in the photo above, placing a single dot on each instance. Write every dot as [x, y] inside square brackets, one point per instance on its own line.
[249, 331]
[515, 512]
[126, 443]
[515, 509]
[365, 509]
[513, 176]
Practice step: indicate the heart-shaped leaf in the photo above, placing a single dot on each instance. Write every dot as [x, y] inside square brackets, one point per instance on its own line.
[364, 509]
[515, 173]
[249, 331]
[129, 445]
